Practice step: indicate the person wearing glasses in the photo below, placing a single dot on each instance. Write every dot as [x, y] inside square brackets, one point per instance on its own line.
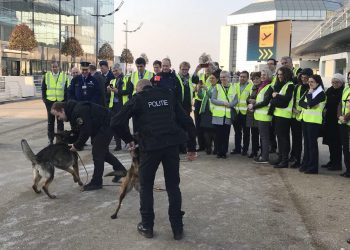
[344, 121]
[313, 103]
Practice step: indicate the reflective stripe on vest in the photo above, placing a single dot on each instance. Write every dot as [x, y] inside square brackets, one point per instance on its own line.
[55, 89]
[344, 97]
[314, 114]
[125, 98]
[298, 117]
[135, 78]
[286, 112]
[273, 82]
[206, 82]
[260, 114]
[242, 97]
[222, 111]
[295, 71]
[190, 84]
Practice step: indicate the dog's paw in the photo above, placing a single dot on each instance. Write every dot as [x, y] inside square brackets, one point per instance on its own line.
[52, 196]
[36, 190]
[80, 183]
[114, 216]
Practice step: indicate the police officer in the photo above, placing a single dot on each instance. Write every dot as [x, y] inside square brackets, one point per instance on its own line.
[158, 117]
[84, 87]
[54, 89]
[89, 119]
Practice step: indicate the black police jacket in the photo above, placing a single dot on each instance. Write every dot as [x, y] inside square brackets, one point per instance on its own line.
[159, 120]
[86, 119]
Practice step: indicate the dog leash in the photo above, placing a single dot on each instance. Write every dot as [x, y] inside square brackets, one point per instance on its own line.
[87, 174]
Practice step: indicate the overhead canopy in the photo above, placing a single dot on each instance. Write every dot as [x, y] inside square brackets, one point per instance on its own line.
[331, 42]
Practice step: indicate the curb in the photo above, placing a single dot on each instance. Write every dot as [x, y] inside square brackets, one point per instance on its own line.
[20, 100]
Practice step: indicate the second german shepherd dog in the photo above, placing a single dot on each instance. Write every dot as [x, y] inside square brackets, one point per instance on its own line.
[56, 155]
[130, 181]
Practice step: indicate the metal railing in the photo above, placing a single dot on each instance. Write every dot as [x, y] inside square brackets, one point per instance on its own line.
[338, 21]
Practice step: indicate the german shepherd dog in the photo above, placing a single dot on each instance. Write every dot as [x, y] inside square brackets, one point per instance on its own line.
[57, 155]
[131, 180]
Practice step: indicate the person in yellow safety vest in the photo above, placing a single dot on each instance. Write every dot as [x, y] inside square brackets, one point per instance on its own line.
[296, 128]
[281, 106]
[54, 89]
[272, 65]
[206, 115]
[119, 91]
[261, 108]
[287, 61]
[223, 100]
[312, 103]
[186, 87]
[202, 79]
[344, 121]
[242, 89]
[140, 73]
[331, 124]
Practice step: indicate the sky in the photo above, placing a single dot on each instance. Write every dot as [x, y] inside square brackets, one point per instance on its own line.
[179, 29]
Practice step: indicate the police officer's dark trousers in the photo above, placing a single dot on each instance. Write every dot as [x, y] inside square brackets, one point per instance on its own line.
[101, 154]
[115, 109]
[51, 122]
[149, 162]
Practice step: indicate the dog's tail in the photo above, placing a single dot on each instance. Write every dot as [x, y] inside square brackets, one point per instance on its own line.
[27, 151]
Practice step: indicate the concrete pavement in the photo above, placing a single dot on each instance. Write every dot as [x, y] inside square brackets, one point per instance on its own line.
[229, 204]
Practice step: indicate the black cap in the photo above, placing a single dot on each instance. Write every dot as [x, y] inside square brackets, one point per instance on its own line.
[101, 63]
[84, 65]
[307, 71]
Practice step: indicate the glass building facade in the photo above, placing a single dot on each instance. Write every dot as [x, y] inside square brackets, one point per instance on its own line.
[42, 16]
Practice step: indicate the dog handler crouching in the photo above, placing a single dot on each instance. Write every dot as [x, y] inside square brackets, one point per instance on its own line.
[157, 119]
[89, 119]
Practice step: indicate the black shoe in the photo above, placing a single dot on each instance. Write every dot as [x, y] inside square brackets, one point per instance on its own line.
[218, 156]
[208, 152]
[252, 155]
[345, 174]
[215, 152]
[295, 164]
[334, 168]
[234, 151]
[281, 165]
[302, 168]
[261, 160]
[178, 234]
[91, 186]
[292, 159]
[311, 172]
[116, 179]
[244, 153]
[224, 156]
[146, 232]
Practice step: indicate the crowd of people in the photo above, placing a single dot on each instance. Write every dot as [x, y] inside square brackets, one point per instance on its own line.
[280, 111]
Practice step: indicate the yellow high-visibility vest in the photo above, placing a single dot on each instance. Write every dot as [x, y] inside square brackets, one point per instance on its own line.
[134, 78]
[125, 98]
[260, 114]
[298, 117]
[314, 114]
[344, 109]
[242, 97]
[190, 84]
[222, 111]
[55, 89]
[205, 82]
[286, 112]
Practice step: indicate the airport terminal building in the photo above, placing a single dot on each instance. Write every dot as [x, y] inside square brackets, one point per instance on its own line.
[42, 16]
[271, 29]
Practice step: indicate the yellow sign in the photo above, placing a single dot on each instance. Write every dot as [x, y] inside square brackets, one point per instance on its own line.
[267, 36]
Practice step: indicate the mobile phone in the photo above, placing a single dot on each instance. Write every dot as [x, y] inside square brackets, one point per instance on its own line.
[204, 65]
[111, 85]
